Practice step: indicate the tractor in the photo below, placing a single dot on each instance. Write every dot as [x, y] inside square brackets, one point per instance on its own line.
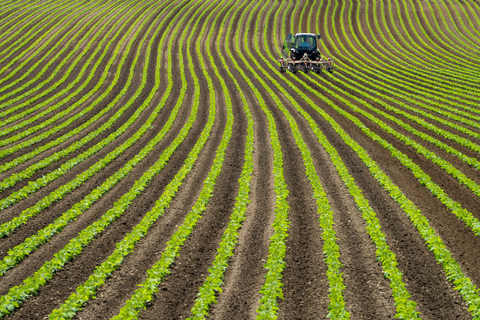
[299, 52]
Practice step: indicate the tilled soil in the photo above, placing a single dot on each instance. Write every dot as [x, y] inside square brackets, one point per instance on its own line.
[305, 285]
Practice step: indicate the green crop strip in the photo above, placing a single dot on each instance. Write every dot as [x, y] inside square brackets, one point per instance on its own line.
[32, 284]
[10, 20]
[473, 46]
[9, 227]
[378, 69]
[80, 101]
[462, 50]
[433, 44]
[212, 284]
[465, 142]
[433, 80]
[272, 288]
[424, 179]
[64, 152]
[50, 61]
[87, 291]
[457, 77]
[425, 124]
[393, 91]
[41, 182]
[417, 60]
[161, 269]
[19, 252]
[53, 74]
[55, 157]
[15, 46]
[53, 9]
[330, 249]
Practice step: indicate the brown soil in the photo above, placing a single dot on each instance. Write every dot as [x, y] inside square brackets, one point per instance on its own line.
[305, 284]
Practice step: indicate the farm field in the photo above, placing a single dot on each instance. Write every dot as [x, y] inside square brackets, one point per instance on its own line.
[156, 164]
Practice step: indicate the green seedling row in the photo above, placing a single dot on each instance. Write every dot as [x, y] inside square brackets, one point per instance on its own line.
[57, 195]
[87, 291]
[53, 9]
[21, 251]
[51, 61]
[272, 288]
[43, 181]
[31, 285]
[15, 46]
[212, 285]
[157, 273]
[79, 102]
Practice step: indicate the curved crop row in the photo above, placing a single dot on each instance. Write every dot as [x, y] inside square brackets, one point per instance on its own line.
[52, 8]
[87, 290]
[72, 35]
[445, 90]
[330, 249]
[41, 182]
[213, 282]
[469, 160]
[79, 101]
[31, 285]
[393, 91]
[157, 273]
[18, 253]
[435, 63]
[63, 138]
[9, 182]
[15, 46]
[272, 288]
[36, 107]
[447, 85]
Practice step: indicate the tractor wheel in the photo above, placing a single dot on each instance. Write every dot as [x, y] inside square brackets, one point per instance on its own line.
[282, 69]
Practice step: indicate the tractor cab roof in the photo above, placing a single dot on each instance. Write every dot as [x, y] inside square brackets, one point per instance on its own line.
[305, 34]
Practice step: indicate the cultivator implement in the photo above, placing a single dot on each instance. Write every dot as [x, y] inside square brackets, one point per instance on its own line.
[305, 64]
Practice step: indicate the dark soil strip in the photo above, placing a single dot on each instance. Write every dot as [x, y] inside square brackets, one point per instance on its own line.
[116, 90]
[245, 275]
[357, 252]
[178, 293]
[424, 278]
[305, 286]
